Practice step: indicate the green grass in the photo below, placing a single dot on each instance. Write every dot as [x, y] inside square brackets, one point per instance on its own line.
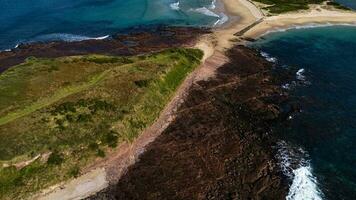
[46, 101]
[77, 108]
[281, 6]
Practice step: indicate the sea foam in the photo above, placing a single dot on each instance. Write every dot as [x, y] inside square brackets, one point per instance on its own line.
[213, 4]
[304, 185]
[295, 164]
[268, 57]
[175, 6]
[66, 37]
[58, 37]
[206, 11]
[222, 19]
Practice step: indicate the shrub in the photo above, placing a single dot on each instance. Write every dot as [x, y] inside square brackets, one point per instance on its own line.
[74, 171]
[110, 139]
[55, 158]
[93, 146]
[100, 153]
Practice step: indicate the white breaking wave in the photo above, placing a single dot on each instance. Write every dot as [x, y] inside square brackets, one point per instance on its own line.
[101, 38]
[175, 6]
[213, 4]
[300, 75]
[268, 57]
[222, 19]
[304, 185]
[295, 165]
[7, 50]
[60, 37]
[66, 37]
[205, 11]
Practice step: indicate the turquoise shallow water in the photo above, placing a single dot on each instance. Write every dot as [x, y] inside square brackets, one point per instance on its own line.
[317, 147]
[41, 20]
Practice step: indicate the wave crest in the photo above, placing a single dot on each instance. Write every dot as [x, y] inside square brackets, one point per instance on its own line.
[66, 37]
[175, 6]
[295, 164]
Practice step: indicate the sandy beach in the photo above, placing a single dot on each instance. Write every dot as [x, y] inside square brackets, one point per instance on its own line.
[253, 22]
[223, 38]
[314, 16]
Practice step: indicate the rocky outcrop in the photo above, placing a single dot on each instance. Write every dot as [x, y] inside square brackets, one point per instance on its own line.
[130, 42]
[219, 146]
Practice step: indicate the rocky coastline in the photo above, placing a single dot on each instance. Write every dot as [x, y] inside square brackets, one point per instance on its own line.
[220, 144]
[128, 42]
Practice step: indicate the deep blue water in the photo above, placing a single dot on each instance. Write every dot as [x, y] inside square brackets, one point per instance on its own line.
[318, 145]
[38, 20]
[348, 3]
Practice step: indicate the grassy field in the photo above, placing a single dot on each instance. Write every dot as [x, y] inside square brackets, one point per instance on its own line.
[75, 108]
[281, 6]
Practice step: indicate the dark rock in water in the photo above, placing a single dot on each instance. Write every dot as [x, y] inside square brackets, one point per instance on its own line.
[218, 147]
[249, 39]
[133, 42]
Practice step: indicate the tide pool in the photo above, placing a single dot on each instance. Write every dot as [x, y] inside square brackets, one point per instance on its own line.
[317, 146]
[44, 20]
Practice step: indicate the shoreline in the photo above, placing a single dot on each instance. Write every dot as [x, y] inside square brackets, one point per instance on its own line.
[316, 15]
[115, 165]
[217, 146]
[214, 46]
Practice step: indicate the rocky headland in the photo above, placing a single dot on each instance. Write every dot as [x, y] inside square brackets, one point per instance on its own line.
[220, 145]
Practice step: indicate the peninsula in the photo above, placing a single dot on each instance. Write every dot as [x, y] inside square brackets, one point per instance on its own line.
[156, 113]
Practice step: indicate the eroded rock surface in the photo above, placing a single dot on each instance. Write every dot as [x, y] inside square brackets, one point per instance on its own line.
[219, 146]
[133, 42]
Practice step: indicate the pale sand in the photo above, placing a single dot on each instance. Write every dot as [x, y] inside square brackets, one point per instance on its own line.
[222, 39]
[78, 188]
[316, 15]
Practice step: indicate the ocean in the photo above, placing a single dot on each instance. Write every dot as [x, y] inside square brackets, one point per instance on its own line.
[349, 3]
[47, 20]
[316, 148]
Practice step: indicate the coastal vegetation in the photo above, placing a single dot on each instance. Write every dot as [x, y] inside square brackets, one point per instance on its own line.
[282, 6]
[58, 115]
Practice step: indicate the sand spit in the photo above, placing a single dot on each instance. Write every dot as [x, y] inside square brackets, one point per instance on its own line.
[315, 16]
